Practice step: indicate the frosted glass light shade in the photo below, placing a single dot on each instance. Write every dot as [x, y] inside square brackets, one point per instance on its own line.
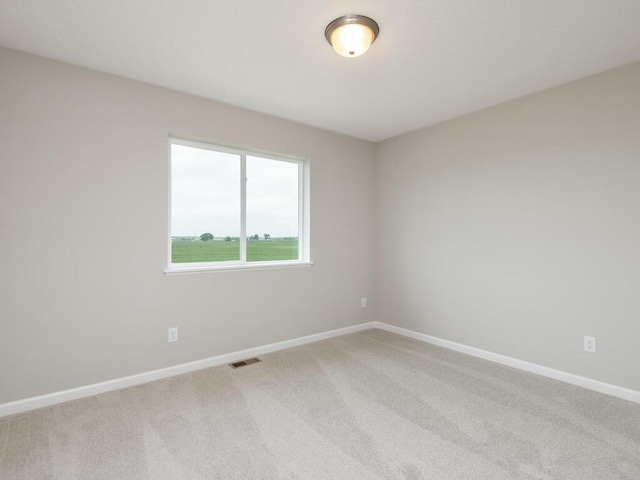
[351, 35]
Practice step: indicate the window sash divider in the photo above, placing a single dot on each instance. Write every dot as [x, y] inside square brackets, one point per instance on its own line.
[243, 208]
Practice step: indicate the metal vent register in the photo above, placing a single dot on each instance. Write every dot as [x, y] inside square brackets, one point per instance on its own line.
[244, 363]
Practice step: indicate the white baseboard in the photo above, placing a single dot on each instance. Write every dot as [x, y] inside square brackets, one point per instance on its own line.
[598, 386]
[42, 401]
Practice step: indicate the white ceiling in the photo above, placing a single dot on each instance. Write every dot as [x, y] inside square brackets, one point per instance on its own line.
[433, 60]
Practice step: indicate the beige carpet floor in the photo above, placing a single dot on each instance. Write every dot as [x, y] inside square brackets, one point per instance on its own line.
[371, 405]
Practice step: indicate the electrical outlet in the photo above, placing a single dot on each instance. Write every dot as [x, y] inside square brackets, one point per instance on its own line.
[590, 344]
[173, 334]
[363, 302]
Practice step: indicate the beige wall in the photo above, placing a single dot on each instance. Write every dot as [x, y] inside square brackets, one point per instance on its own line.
[516, 229]
[83, 223]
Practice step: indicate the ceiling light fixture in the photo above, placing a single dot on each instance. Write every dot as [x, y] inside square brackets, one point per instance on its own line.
[351, 35]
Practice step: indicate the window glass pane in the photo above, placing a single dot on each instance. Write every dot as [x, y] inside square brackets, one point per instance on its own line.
[272, 210]
[205, 205]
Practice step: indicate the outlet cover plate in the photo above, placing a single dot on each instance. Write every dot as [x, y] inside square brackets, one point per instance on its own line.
[590, 344]
[173, 334]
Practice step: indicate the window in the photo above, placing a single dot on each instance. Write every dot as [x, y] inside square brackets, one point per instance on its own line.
[232, 208]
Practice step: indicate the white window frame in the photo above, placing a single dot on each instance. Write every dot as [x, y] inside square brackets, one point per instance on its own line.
[304, 258]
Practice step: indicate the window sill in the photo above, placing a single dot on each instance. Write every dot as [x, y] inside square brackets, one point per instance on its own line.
[226, 268]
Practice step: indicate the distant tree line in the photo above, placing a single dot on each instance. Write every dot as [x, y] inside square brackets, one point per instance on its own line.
[207, 237]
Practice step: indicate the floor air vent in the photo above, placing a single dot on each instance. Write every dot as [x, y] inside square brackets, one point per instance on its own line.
[244, 363]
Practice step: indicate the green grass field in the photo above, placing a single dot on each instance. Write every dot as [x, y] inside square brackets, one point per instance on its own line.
[187, 251]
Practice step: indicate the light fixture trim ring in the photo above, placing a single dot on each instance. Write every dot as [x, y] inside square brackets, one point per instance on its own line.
[352, 19]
